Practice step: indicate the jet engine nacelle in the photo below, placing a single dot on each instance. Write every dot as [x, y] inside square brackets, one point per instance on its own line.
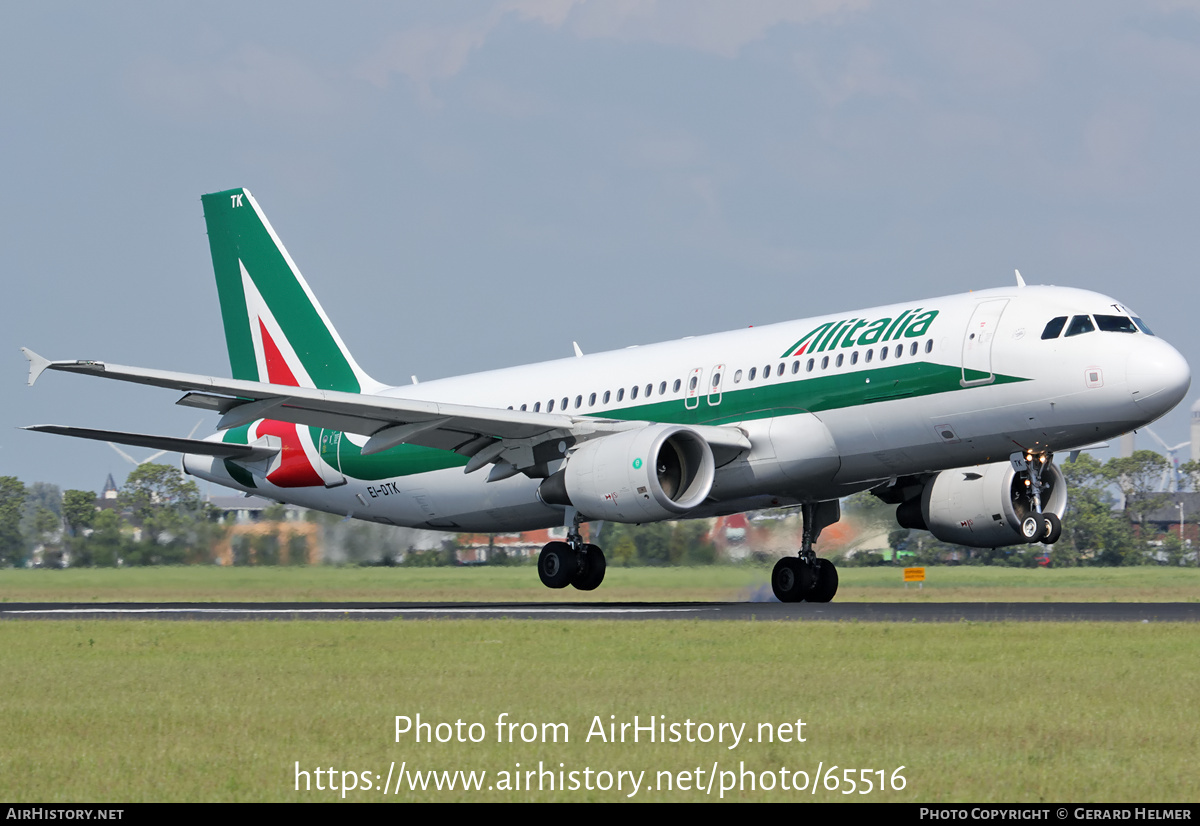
[646, 475]
[982, 506]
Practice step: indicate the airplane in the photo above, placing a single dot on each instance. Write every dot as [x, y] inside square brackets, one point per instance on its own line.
[951, 408]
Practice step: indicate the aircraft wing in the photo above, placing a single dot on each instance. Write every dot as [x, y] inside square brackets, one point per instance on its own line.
[520, 438]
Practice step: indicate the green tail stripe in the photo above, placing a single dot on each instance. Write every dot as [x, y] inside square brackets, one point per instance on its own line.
[235, 232]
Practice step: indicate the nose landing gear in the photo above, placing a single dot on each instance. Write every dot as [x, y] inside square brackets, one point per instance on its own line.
[1038, 526]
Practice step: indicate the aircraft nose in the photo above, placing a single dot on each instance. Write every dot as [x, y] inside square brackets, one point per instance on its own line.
[1158, 377]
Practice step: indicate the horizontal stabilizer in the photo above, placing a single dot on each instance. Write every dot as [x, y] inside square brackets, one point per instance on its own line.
[222, 450]
[37, 364]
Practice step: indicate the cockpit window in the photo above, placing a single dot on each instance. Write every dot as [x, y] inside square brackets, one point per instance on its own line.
[1080, 324]
[1142, 326]
[1115, 324]
[1054, 327]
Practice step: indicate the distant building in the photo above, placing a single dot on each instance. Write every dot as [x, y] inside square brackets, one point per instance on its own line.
[244, 516]
[245, 510]
[1167, 519]
[1196, 431]
[109, 500]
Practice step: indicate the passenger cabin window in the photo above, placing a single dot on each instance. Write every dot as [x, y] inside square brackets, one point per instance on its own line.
[824, 362]
[779, 372]
[649, 389]
[592, 400]
[620, 393]
[675, 387]
[633, 392]
[929, 346]
[1115, 324]
[795, 367]
[578, 402]
[841, 358]
[883, 351]
[537, 407]
[607, 396]
[912, 349]
[662, 388]
[1054, 327]
[809, 367]
[1080, 324]
[854, 356]
[737, 377]
[550, 406]
[752, 374]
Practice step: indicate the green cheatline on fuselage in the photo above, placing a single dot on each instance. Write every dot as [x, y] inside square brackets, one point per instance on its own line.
[765, 400]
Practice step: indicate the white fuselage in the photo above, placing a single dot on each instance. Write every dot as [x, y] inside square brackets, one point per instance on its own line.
[971, 386]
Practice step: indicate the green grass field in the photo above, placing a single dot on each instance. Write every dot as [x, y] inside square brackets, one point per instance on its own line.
[180, 711]
[703, 584]
[127, 711]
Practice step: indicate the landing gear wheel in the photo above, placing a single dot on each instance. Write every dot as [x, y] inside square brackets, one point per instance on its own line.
[827, 582]
[557, 565]
[791, 580]
[592, 575]
[1051, 528]
[1032, 529]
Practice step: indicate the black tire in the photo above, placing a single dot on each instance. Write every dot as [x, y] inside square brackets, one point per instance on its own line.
[592, 575]
[826, 584]
[1032, 529]
[557, 564]
[791, 580]
[1051, 528]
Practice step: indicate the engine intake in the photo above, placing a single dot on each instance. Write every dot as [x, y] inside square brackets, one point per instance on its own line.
[646, 475]
[981, 506]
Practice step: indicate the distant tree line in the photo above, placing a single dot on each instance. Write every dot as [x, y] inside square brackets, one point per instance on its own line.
[159, 518]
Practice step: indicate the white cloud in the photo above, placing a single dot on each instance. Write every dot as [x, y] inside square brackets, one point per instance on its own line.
[712, 26]
[253, 77]
[865, 71]
[985, 54]
[429, 53]
[425, 54]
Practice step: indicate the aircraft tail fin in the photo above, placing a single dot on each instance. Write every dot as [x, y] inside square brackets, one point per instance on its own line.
[275, 328]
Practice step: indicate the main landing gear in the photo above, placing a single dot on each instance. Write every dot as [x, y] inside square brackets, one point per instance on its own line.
[804, 577]
[1038, 526]
[573, 562]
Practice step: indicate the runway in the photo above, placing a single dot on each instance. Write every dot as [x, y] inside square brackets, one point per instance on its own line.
[743, 611]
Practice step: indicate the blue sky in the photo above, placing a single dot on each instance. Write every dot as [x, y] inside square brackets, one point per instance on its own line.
[470, 185]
